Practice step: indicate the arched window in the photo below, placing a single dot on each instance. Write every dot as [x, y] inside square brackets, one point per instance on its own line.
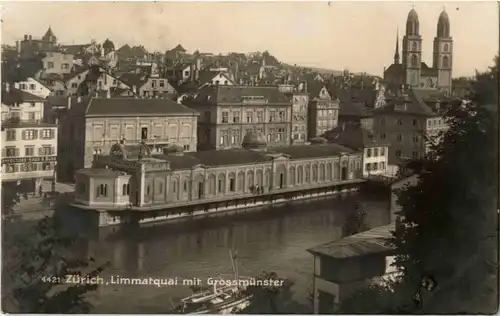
[126, 189]
[102, 190]
[414, 46]
[446, 48]
[414, 60]
[446, 62]
[300, 175]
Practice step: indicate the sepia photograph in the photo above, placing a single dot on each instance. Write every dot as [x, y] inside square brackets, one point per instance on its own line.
[250, 157]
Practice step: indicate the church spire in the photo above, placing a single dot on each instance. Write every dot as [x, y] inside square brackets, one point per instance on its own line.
[396, 53]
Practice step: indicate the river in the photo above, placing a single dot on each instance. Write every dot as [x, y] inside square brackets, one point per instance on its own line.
[271, 240]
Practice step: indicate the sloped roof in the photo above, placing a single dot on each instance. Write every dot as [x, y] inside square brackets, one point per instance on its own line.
[14, 96]
[414, 105]
[133, 79]
[368, 242]
[353, 136]
[427, 71]
[178, 48]
[308, 151]
[235, 94]
[353, 109]
[135, 107]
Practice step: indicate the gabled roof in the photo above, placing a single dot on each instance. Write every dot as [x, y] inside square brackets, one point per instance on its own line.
[135, 107]
[207, 76]
[178, 48]
[353, 136]
[411, 104]
[14, 96]
[427, 71]
[133, 79]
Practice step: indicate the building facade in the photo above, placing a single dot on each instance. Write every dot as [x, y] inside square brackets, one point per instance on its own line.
[354, 136]
[300, 102]
[323, 111]
[408, 124]
[412, 72]
[132, 175]
[34, 87]
[91, 126]
[227, 113]
[29, 145]
[57, 63]
[347, 265]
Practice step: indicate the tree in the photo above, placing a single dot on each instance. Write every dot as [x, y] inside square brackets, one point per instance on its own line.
[355, 222]
[35, 261]
[447, 234]
[10, 197]
[273, 299]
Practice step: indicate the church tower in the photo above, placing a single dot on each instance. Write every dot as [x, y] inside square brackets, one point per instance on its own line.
[443, 53]
[412, 51]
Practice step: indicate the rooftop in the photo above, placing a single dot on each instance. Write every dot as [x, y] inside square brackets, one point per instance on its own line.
[368, 242]
[16, 96]
[236, 94]
[135, 107]
[100, 172]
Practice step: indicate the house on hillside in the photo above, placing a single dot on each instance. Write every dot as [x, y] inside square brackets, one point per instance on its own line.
[147, 86]
[34, 87]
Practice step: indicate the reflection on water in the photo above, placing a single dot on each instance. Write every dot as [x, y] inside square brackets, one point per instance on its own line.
[274, 241]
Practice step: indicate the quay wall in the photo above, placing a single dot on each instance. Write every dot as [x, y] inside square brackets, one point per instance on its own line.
[108, 217]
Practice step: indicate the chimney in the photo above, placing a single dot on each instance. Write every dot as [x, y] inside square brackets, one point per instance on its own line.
[192, 72]
[305, 87]
[198, 63]
[69, 102]
[134, 89]
[29, 38]
[18, 47]
[25, 37]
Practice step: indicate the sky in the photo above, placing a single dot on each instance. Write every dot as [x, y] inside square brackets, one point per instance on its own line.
[359, 36]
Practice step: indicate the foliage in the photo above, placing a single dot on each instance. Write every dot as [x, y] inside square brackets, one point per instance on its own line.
[273, 299]
[10, 197]
[355, 222]
[448, 231]
[35, 263]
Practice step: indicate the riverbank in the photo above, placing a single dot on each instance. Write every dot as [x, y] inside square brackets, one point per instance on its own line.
[108, 216]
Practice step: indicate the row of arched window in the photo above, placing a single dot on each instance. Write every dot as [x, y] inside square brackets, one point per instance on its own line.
[445, 63]
[296, 175]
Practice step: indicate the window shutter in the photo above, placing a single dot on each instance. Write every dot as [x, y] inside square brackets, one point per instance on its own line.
[24, 135]
[3, 152]
[40, 151]
[17, 152]
[35, 134]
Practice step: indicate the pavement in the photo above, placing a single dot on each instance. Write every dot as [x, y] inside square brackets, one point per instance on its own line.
[36, 206]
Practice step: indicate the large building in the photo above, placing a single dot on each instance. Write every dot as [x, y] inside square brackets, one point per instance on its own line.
[91, 126]
[409, 122]
[300, 102]
[227, 113]
[412, 72]
[131, 175]
[354, 136]
[29, 145]
[323, 109]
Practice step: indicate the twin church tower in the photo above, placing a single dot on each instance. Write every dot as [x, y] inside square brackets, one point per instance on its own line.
[411, 72]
